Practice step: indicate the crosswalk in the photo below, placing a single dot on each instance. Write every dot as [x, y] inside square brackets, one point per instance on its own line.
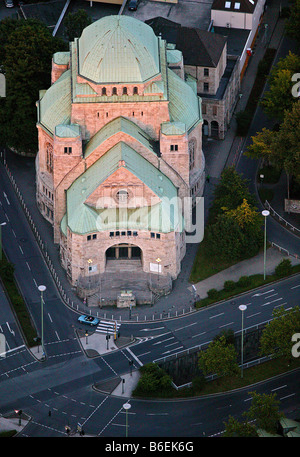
[108, 327]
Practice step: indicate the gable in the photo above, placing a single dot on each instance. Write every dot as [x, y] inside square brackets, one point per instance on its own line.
[122, 188]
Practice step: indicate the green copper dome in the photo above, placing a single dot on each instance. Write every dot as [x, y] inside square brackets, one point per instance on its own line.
[118, 49]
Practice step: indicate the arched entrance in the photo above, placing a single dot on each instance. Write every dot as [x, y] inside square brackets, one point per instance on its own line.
[124, 251]
[214, 129]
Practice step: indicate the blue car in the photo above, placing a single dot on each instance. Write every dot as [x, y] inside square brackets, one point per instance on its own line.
[90, 320]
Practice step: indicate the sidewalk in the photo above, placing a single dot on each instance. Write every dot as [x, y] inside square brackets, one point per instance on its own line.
[217, 154]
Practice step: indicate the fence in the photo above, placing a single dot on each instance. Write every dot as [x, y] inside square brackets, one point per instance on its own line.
[281, 219]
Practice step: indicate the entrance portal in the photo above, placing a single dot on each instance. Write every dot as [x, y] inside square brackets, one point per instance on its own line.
[123, 251]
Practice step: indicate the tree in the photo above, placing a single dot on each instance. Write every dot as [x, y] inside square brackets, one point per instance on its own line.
[75, 23]
[219, 358]
[279, 97]
[276, 338]
[230, 191]
[265, 410]
[280, 148]
[287, 141]
[26, 63]
[234, 428]
[292, 25]
[225, 239]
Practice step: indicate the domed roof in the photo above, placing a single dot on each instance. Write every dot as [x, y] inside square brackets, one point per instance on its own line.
[118, 49]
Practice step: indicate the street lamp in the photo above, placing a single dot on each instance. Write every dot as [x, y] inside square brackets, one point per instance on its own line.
[265, 213]
[242, 308]
[42, 289]
[3, 223]
[158, 260]
[261, 178]
[90, 263]
[127, 406]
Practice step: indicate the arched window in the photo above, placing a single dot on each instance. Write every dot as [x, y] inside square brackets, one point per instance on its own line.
[135, 91]
[103, 90]
[122, 196]
[114, 91]
[124, 90]
[49, 157]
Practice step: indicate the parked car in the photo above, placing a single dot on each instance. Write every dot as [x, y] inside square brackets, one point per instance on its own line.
[9, 3]
[90, 320]
[133, 4]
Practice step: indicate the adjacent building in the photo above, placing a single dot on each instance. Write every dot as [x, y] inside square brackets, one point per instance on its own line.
[207, 62]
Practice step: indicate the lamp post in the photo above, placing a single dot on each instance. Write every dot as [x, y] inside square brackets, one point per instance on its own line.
[158, 260]
[89, 268]
[242, 308]
[1, 225]
[261, 179]
[42, 289]
[265, 213]
[126, 406]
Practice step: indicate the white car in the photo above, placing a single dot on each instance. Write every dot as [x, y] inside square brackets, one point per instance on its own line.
[9, 3]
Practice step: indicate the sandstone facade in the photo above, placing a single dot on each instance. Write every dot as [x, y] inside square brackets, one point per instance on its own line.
[124, 139]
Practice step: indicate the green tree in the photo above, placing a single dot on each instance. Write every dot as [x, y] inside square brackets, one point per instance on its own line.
[264, 410]
[27, 58]
[219, 358]
[279, 97]
[276, 338]
[292, 25]
[280, 148]
[225, 239]
[75, 23]
[230, 191]
[234, 428]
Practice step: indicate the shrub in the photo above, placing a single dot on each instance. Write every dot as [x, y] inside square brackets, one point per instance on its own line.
[229, 285]
[212, 293]
[244, 281]
[228, 334]
[198, 383]
[284, 268]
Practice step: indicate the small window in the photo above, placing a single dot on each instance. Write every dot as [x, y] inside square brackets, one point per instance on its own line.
[206, 71]
[227, 4]
[114, 91]
[124, 90]
[67, 150]
[152, 235]
[203, 108]
[89, 237]
[174, 147]
[135, 234]
[215, 110]
[205, 87]
[158, 236]
[123, 233]
[135, 91]
[94, 237]
[117, 233]
[129, 233]
[142, 114]
[111, 233]
[122, 196]
[237, 6]
[103, 90]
